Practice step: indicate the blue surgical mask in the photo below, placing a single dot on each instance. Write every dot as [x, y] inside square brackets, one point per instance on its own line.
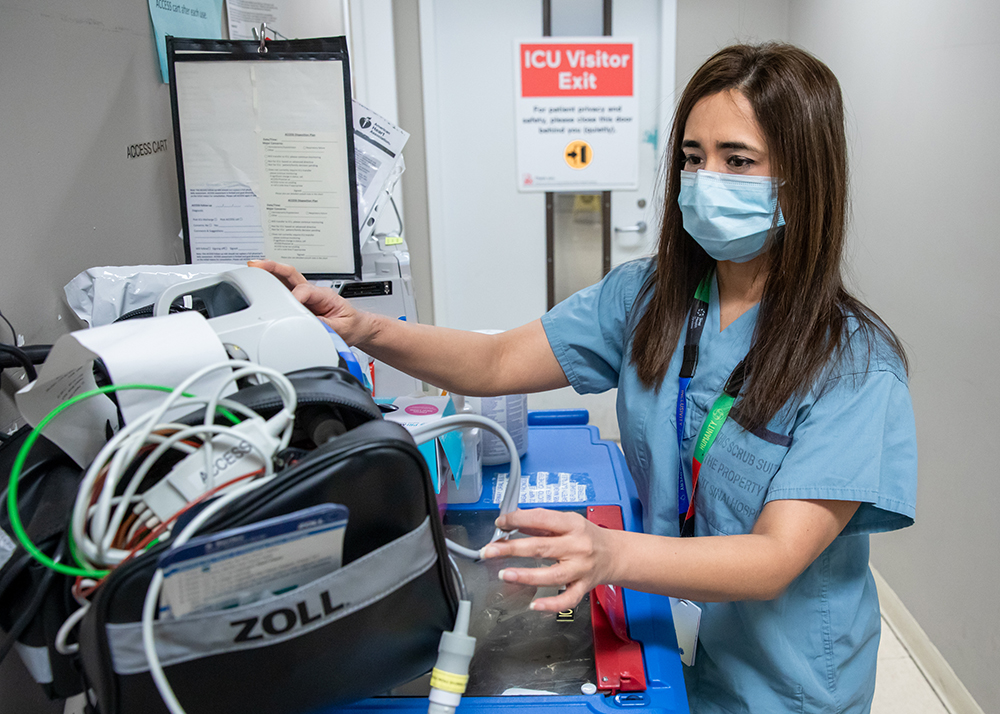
[729, 215]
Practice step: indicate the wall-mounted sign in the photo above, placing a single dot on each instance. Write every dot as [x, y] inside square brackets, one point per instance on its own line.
[577, 114]
[146, 148]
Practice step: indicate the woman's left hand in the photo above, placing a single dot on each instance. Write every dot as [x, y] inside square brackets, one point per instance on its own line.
[583, 552]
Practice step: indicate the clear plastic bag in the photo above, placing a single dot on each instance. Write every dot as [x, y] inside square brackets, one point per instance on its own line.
[101, 295]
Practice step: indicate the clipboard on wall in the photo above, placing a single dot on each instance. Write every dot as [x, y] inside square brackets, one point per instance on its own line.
[263, 135]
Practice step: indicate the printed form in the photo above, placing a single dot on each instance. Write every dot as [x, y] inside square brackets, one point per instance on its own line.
[266, 169]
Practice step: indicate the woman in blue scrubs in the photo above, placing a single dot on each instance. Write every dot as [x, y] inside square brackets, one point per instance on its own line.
[764, 410]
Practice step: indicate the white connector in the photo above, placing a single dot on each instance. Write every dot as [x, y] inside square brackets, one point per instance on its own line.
[241, 449]
[451, 671]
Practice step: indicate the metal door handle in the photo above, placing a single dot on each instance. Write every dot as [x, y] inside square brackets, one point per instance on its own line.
[639, 227]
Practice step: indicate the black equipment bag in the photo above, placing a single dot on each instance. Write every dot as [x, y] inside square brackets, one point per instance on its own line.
[359, 631]
[35, 601]
[330, 402]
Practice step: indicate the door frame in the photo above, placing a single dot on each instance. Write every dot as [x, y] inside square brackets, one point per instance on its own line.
[434, 137]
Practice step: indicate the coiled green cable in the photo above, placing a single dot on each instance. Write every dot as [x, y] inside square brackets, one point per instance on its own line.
[22, 456]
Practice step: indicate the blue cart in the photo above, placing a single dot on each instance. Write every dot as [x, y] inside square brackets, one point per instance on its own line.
[522, 652]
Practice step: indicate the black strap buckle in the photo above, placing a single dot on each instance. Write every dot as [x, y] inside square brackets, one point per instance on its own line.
[690, 362]
[736, 379]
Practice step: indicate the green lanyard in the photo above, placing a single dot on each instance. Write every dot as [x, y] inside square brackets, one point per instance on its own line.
[716, 417]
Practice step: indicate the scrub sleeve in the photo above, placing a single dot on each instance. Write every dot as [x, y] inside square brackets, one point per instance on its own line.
[812, 649]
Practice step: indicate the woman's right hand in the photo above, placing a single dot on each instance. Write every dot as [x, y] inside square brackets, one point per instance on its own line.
[519, 360]
[352, 325]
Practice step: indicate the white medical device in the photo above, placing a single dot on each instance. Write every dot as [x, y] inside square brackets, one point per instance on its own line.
[385, 288]
[258, 319]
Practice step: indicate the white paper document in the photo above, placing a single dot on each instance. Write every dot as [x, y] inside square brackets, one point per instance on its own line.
[287, 19]
[302, 204]
[377, 146]
[266, 163]
[163, 351]
[224, 224]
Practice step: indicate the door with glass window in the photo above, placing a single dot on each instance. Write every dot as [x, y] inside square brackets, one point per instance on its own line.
[499, 256]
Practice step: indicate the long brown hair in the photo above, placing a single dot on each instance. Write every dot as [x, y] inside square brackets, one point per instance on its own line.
[805, 311]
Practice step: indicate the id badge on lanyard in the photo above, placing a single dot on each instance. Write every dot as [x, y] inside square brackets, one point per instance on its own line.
[717, 415]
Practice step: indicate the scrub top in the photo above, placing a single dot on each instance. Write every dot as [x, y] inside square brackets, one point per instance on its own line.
[852, 438]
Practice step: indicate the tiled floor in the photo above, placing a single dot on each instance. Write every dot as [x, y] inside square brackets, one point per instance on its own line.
[900, 688]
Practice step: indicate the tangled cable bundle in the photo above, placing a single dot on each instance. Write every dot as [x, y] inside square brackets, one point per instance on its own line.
[154, 471]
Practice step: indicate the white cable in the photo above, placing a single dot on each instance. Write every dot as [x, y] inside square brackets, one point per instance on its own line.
[133, 485]
[151, 420]
[427, 432]
[186, 448]
[133, 531]
[282, 385]
[95, 529]
[511, 496]
[136, 480]
[279, 423]
[84, 583]
[83, 497]
[153, 594]
[87, 544]
[120, 500]
[62, 646]
[113, 555]
[463, 592]
[461, 550]
[106, 456]
[117, 500]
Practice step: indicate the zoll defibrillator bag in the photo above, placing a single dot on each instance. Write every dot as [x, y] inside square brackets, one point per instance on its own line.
[35, 600]
[353, 632]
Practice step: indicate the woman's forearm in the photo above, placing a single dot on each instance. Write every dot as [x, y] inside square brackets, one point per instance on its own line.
[708, 569]
[788, 536]
[513, 362]
[463, 362]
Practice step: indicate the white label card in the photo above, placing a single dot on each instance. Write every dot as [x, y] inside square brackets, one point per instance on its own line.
[687, 621]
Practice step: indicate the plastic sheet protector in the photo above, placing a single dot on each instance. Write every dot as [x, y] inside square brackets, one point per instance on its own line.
[267, 163]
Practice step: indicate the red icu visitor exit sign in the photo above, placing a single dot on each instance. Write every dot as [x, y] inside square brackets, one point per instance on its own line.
[576, 113]
[577, 69]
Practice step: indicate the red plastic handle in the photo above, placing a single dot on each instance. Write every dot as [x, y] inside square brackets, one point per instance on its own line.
[618, 658]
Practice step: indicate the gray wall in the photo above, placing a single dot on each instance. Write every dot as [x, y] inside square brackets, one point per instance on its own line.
[79, 84]
[704, 26]
[920, 78]
[410, 97]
